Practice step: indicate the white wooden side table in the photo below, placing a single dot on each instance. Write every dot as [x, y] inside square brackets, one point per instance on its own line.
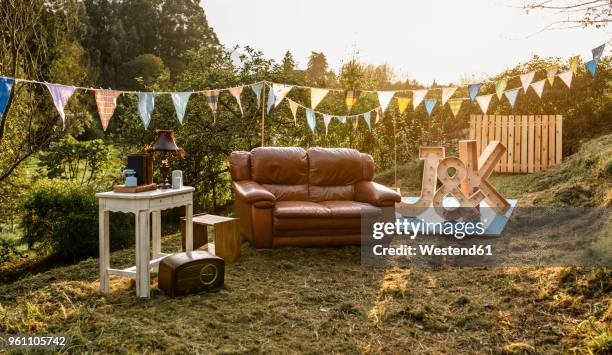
[146, 207]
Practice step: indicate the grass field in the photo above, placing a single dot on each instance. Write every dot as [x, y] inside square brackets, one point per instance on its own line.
[324, 301]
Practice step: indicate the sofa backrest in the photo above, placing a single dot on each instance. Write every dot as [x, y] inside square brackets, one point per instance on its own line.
[291, 173]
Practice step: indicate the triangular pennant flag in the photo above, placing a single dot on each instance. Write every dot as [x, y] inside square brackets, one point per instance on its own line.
[598, 51]
[146, 104]
[311, 119]
[384, 98]
[574, 63]
[366, 117]
[316, 95]
[326, 121]
[377, 117]
[60, 94]
[483, 102]
[257, 90]
[417, 97]
[429, 105]
[526, 80]
[354, 120]
[511, 96]
[551, 72]
[566, 76]
[236, 92]
[500, 86]
[293, 106]
[455, 106]
[180, 100]
[538, 87]
[280, 91]
[473, 90]
[6, 85]
[212, 98]
[447, 93]
[341, 119]
[592, 66]
[106, 100]
[350, 98]
[402, 103]
[270, 100]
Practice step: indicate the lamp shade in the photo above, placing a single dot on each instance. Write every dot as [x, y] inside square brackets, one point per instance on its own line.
[165, 142]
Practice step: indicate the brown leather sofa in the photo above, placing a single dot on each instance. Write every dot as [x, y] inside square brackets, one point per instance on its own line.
[293, 197]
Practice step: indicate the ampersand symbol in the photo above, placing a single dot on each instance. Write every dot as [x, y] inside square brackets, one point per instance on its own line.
[450, 186]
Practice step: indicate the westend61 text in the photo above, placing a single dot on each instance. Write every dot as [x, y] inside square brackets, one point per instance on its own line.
[432, 250]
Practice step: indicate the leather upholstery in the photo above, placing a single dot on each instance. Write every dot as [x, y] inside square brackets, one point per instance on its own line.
[293, 197]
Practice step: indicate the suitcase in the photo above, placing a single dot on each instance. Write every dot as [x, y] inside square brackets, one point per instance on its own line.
[192, 272]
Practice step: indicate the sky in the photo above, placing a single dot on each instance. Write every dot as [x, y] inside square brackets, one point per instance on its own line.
[436, 40]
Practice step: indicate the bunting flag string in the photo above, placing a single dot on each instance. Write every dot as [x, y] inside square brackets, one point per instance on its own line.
[500, 86]
[316, 96]
[574, 64]
[598, 51]
[354, 120]
[538, 87]
[526, 80]
[511, 96]
[180, 100]
[591, 65]
[146, 104]
[212, 98]
[455, 106]
[367, 117]
[566, 77]
[483, 102]
[377, 117]
[6, 85]
[473, 90]
[384, 98]
[447, 93]
[402, 103]
[551, 72]
[293, 106]
[326, 120]
[417, 97]
[311, 119]
[341, 119]
[106, 101]
[429, 105]
[236, 92]
[61, 94]
[257, 90]
[350, 98]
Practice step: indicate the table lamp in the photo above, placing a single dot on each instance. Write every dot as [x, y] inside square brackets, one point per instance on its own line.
[165, 146]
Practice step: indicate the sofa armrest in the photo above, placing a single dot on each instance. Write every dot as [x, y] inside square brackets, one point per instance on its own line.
[375, 194]
[252, 192]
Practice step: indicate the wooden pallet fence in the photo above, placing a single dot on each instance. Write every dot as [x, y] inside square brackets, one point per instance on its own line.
[533, 142]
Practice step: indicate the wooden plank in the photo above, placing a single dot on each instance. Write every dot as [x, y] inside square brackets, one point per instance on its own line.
[524, 130]
[504, 141]
[517, 144]
[498, 125]
[491, 129]
[478, 132]
[558, 139]
[551, 140]
[510, 164]
[472, 127]
[544, 142]
[530, 142]
[227, 241]
[484, 139]
[538, 143]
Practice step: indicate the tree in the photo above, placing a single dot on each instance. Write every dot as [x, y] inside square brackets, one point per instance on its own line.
[288, 62]
[577, 13]
[318, 69]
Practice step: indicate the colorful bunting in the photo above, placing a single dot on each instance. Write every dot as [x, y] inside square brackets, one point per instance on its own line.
[236, 92]
[377, 117]
[598, 51]
[311, 119]
[429, 105]
[417, 97]
[574, 63]
[212, 98]
[354, 120]
[566, 76]
[538, 87]
[526, 80]
[280, 91]
[447, 93]
[473, 90]
[384, 98]
[106, 100]
[402, 103]
[350, 97]
[366, 117]
[551, 72]
[316, 95]
[293, 106]
[257, 90]
[269, 100]
[6, 85]
[146, 104]
[60, 94]
[591, 66]
[483, 102]
[500, 86]
[455, 106]
[326, 121]
[341, 119]
[511, 96]
[180, 100]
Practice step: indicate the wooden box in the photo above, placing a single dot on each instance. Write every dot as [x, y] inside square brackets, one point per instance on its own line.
[192, 272]
[200, 233]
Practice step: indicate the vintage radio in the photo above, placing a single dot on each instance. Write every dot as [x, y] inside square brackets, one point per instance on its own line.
[184, 273]
[142, 164]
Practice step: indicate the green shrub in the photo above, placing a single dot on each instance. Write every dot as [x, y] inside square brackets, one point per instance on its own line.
[63, 215]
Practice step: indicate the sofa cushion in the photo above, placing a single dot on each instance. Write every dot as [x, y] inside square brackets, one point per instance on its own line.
[334, 166]
[349, 209]
[288, 192]
[276, 165]
[301, 209]
[240, 165]
[298, 224]
[326, 193]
